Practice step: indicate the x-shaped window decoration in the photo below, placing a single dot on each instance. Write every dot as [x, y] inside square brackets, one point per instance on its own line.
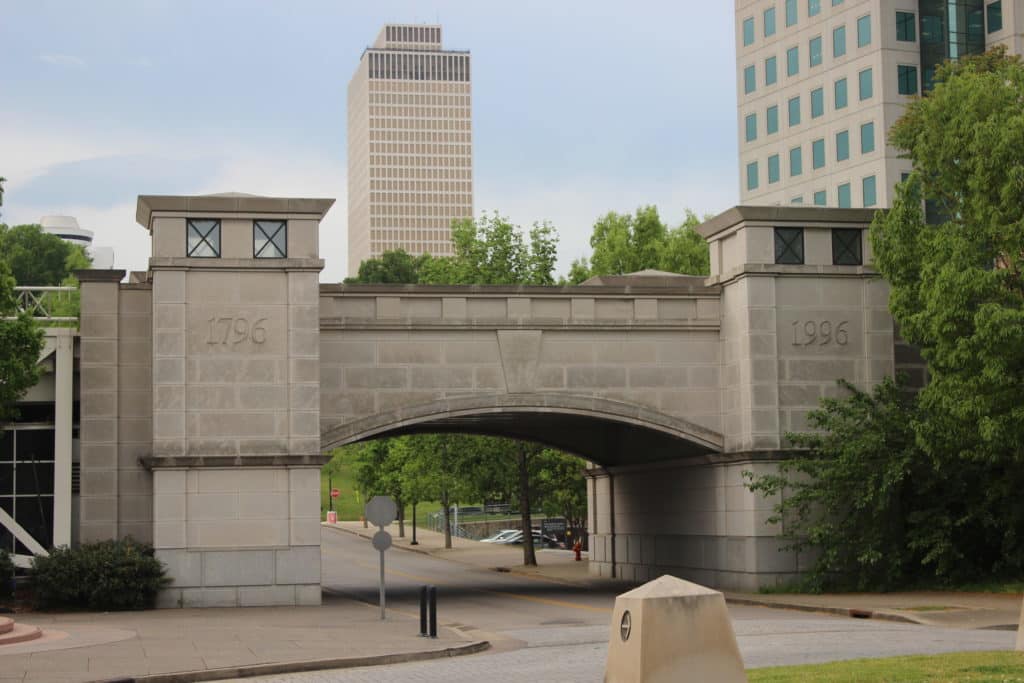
[789, 246]
[203, 238]
[270, 239]
[846, 249]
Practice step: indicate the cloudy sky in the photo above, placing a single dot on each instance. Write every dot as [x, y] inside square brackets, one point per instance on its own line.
[579, 107]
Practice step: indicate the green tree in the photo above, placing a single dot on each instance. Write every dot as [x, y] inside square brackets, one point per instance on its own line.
[957, 289]
[2, 181]
[36, 257]
[21, 342]
[561, 489]
[393, 267]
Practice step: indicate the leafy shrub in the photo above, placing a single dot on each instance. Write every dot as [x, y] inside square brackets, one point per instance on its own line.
[108, 575]
[6, 573]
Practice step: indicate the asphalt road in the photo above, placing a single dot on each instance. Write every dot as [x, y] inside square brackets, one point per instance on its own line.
[542, 631]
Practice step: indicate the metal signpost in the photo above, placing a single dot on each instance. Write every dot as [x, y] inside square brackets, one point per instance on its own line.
[380, 512]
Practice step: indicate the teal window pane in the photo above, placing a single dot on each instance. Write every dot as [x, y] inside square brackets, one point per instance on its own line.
[772, 119]
[820, 198]
[994, 12]
[794, 111]
[769, 22]
[866, 86]
[844, 196]
[907, 78]
[813, 8]
[773, 169]
[840, 93]
[748, 31]
[818, 154]
[817, 102]
[793, 61]
[796, 200]
[864, 31]
[836, 2]
[752, 175]
[751, 123]
[796, 161]
[869, 191]
[867, 138]
[749, 80]
[770, 71]
[815, 49]
[839, 41]
[906, 27]
[842, 145]
[790, 12]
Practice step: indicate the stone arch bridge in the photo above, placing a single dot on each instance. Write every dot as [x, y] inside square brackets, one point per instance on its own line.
[212, 384]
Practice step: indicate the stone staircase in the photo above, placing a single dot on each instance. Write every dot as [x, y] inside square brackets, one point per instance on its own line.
[11, 633]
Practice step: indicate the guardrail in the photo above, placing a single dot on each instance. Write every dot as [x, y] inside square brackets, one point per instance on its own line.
[44, 303]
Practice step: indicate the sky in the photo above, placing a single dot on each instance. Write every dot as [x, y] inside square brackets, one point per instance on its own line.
[579, 107]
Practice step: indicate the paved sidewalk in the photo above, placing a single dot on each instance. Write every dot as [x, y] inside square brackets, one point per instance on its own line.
[931, 608]
[219, 643]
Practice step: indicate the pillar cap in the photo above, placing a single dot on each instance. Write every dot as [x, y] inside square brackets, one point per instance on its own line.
[99, 275]
[227, 203]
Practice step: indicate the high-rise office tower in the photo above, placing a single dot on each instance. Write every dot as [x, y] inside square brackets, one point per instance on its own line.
[820, 82]
[410, 145]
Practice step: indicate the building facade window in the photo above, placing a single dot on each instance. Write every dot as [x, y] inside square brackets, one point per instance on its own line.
[749, 80]
[794, 111]
[772, 119]
[269, 239]
[797, 200]
[907, 79]
[769, 22]
[773, 169]
[994, 16]
[843, 194]
[748, 31]
[869, 191]
[820, 198]
[814, 50]
[770, 71]
[866, 86]
[846, 247]
[752, 175]
[796, 162]
[813, 8]
[751, 124]
[203, 238]
[818, 154]
[906, 27]
[817, 102]
[867, 138]
[841, 95]
[842, 145]
[864, 31]
[793, 61]
[839, 41]
[791, 16]
[789, 246]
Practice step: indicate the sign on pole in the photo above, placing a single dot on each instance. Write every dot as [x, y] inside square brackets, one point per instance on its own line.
[335, 493]
[381, 511]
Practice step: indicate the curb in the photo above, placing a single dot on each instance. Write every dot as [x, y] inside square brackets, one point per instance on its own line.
[851, 612]
[312, 665]
[406, 548]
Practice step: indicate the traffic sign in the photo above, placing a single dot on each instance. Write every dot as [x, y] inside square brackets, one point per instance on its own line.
[381, 511]
[335, 493]
[382, 541]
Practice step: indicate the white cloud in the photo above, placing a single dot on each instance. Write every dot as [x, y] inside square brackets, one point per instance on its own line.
[63, 60]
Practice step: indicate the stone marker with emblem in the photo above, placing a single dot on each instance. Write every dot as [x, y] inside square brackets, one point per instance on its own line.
[672, 630]
[380, 512]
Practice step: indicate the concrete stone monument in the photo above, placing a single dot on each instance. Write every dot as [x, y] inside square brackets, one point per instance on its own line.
[672, 630]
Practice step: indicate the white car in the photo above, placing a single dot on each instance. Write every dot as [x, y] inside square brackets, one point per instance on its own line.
[503, 536]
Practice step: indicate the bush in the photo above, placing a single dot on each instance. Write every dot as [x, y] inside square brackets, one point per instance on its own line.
[6, 573]
[109, 575]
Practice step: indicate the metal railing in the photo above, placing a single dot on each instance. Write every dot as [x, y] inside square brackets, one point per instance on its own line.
[44, 303]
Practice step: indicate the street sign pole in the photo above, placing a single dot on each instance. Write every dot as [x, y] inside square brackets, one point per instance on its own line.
[382, 584]
[381, 510]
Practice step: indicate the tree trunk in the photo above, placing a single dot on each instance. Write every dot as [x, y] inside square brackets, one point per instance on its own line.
[401, 518]
[529, 556]
[447, 522]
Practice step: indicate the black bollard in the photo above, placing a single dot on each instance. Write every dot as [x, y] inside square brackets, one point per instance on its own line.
[423, 611]
[432, 601]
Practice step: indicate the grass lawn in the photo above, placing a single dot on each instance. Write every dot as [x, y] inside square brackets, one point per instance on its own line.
[976, 667]
[350, 508]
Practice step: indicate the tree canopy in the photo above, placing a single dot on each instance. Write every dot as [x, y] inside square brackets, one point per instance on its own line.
[38, 258]
[21, 341]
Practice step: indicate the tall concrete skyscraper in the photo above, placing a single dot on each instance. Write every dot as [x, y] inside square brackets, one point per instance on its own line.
[410, 145]
[820, 82]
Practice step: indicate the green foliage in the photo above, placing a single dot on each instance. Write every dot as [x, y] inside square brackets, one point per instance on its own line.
[560, 487]
[393, 267]
[21, 342]
[109, 575]
[626, 244]
[36, 257]
[6, 573]
[958, 667]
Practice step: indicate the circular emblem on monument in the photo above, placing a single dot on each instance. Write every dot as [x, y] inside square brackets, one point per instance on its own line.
[625, 626]
[382, 541]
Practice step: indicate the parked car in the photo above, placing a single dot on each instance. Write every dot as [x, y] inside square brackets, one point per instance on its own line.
[501, 536]
[539, 540]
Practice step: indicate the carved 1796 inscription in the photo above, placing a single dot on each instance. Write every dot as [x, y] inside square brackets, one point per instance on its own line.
[820, 333]
[233, 330]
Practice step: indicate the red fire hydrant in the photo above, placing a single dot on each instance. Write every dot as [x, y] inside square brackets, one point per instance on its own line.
[577, 548]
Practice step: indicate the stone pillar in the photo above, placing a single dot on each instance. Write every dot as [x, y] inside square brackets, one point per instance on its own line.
[236, 434]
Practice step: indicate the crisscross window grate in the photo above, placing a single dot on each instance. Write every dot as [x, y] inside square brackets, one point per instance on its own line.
[203, 238]
[270, 239]
[846, 247]
[789, 246]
